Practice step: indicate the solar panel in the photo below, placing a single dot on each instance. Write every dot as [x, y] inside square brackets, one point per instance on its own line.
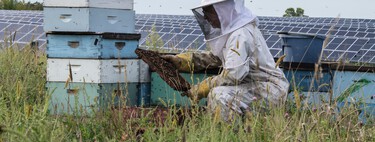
[362, 29]
[167, 37]
[278, 28]
[359, 55]
[25, 19]
[275, 52]
[176, 30]
[341, 33]
[174, 41]
[370, 30]
[323, 31]
[318, 26]
[309, 26]
[269, 27]
[369, 44]
[361, 34]
[370, 35]
[27, 38]
[13, 27]
[187, 31]
[325, 55]
[277, 44]
[27, 28]
[352, 39]
[17, 36]
[295, 30]
[287, 29]
[3, 36]
[313, 31]
[368, 56]
[351, 33]
[197, 32]
[183, 45]
[335, 55]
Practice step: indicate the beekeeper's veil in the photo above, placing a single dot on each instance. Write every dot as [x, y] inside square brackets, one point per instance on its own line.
[232, 15]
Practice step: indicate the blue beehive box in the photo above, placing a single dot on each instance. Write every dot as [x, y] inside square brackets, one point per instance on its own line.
[86, 98]
[354, 87]
[89, 45]
[89, 20]
[366, 110]
[301, 47]
[313, 99]
[304, 78]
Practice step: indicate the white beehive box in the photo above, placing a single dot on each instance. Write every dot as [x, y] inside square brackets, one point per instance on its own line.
[115, 4]
[93, 71]
[63, 19]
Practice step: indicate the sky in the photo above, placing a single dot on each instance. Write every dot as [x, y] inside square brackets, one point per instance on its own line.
[313, 8]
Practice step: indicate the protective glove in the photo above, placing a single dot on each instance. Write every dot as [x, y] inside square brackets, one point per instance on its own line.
[181, 61]
[199, 91]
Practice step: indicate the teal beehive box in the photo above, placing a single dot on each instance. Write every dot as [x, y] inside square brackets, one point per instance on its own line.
[162, 94]
[87, 98]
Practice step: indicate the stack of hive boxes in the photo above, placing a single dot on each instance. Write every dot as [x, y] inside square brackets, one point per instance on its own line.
[302, 52]
[91, 60]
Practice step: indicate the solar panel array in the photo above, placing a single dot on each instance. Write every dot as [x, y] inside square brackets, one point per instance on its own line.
[351, 39]
[22, 27]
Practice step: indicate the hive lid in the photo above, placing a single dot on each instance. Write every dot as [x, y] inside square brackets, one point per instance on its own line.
[302, 35]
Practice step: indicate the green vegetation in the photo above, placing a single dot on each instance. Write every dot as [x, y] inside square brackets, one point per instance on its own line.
[290, 12]
[153, 41]
[24, 116]
[20, 5]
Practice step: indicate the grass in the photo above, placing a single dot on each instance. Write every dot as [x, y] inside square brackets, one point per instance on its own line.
[24, 116]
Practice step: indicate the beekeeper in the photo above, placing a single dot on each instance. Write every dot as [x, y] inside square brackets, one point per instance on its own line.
[236, 44]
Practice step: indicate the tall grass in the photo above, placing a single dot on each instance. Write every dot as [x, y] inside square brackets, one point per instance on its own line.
[24, 116]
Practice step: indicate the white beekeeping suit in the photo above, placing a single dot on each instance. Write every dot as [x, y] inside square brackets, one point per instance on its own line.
[249, 68]
[250, 73]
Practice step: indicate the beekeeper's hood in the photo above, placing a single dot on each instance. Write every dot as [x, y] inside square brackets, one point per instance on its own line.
[231, 14]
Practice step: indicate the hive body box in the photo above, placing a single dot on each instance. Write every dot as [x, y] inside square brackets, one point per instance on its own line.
[88, 20]
[354, 87]
[361, 89]
[91, 63]
[303, 80]
[113, 4]
[359, 85]
[313, 99]
[362, 83]
[83, 45]
[93, 71]
[84, 98]
[97, 84]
